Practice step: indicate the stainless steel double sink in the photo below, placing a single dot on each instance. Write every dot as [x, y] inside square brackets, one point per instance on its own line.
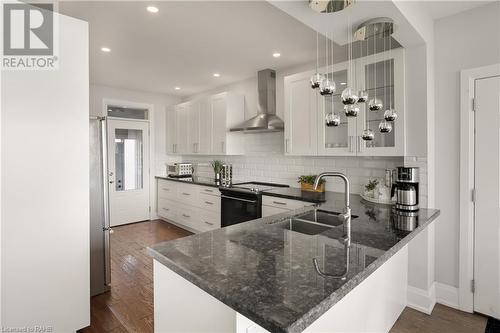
[314, 222]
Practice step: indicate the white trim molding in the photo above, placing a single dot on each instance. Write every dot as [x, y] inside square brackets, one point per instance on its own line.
[447, 295]
[466, 240]
[422, 300]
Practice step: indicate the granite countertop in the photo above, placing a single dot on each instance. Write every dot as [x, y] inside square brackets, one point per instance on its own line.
[297, 194]
[205, 181]
[265, 271]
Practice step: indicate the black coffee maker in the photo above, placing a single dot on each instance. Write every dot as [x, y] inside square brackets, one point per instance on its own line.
[406, 189]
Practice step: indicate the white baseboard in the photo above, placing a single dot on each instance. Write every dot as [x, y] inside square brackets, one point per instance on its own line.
[447, 295]
[422, 300]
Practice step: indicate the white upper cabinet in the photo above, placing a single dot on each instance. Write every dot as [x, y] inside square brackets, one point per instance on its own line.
[202, 126]
[306, 132]
[228, 110]
[181, 115]
[205, 144]
[193, 115]
[383, 78]
[171, 131]
[301, 104]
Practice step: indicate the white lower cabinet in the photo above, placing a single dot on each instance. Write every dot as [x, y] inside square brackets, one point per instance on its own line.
[197, 208]
[193, 207]
[274, 205]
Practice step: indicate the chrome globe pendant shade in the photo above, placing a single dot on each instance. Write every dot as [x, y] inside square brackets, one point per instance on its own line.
[349, 97]
[375, 104]
[390, 115]
[385, 126]
[368, 135]
[332, 119]
[351, 110]
[362, 96]
[317, 77]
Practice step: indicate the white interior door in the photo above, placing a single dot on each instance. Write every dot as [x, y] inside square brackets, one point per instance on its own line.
[487, 206]
[128, 160]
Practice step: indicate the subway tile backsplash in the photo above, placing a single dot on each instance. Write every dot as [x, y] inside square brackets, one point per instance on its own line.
[265, 161]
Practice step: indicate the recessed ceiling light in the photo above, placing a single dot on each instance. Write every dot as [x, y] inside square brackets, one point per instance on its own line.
[105, 49]
[152, 9]
[343, 83]
[177, 88]
[216, 75]
[276, 54]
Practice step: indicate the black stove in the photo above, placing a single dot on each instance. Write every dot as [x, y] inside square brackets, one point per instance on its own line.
[243, 201]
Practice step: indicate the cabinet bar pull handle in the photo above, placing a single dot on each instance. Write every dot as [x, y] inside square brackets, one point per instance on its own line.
[209, 223]
[207, 190]
[209, 203]
[186, 193]
[186, 215]
[280, 203]
[166, 209]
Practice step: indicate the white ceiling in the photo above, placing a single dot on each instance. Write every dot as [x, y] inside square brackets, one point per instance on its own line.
[186, 42]
[440, 9]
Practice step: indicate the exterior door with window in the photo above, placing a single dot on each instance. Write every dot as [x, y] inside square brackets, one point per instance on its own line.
[128, 147]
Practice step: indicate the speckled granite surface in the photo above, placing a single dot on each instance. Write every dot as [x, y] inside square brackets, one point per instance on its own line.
[265, 271]
[205, 181]
[297, 194]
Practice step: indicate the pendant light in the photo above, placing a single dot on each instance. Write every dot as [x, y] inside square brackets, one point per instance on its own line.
[390, 114]
[375, 104]
[317, 77]
[367, 134]
[348, 95]
[327, 86]
[332, 119]
[363, 93]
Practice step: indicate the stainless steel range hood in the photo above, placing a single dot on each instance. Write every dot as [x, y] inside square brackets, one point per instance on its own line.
[266, 119]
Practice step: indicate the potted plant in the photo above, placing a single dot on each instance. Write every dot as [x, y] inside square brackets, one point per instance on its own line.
[217, 166]
[370, 188]
[307, 183]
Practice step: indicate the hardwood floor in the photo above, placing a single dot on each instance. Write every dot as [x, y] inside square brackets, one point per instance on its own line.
[442, 320]
[128, 307]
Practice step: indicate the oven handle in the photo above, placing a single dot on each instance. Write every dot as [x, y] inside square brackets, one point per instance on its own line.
[239, 199]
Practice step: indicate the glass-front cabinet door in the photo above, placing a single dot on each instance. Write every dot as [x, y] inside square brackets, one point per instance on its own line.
[382, 76]
[336, 140]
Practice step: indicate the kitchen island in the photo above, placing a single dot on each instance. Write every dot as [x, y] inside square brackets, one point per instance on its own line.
[259, 275]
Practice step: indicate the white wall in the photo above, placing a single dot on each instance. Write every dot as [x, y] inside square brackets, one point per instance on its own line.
[157, 124]
[458, 46]
[45, 190]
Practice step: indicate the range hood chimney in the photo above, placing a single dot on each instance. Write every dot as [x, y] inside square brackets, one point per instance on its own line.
[266, 119]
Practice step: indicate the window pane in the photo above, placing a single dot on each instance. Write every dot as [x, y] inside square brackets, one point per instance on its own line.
[336, 137]
[130, 113]
[380, 84]
[128, 159]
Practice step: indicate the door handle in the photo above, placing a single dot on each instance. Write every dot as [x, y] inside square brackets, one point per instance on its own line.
[209, 203]
[209, 223]
[238, 199]
[286, 145]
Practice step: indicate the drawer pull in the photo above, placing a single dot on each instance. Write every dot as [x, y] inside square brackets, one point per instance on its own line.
[166, 189]
[166, 209]
[207, 190]
[209, 223]
[279, 203]
[209, 203]
[187, 216]
[186, 193]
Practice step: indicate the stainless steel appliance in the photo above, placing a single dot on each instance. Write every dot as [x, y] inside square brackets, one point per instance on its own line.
[180, 169]
[266, 119]
[243, 202]
[100, 260]
[406, 189]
